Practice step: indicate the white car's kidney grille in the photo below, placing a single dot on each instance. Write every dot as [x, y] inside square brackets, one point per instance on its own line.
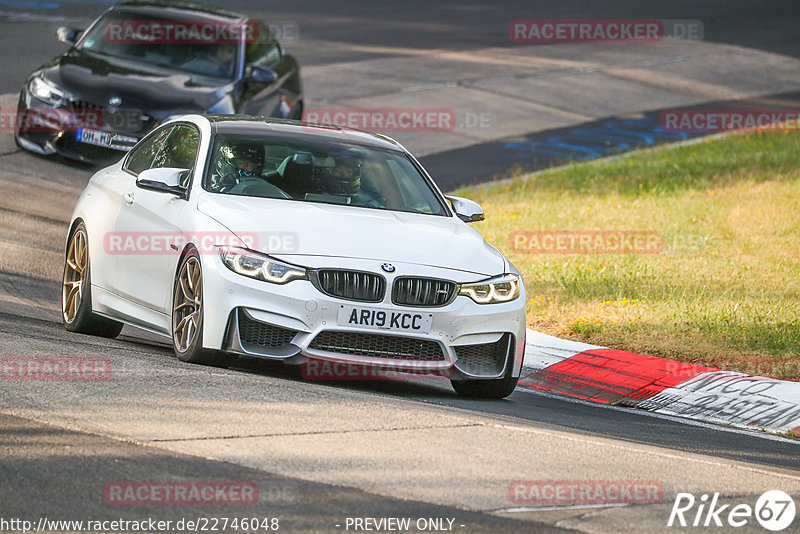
[378, 346]
[485, 358]
[351, 285]
[424, 292]
[263, 334]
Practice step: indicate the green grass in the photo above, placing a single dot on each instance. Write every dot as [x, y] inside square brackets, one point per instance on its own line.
[725, 289]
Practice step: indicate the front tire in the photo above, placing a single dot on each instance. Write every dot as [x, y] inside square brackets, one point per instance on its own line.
[76, 291]
[498, 388]
[187, 316]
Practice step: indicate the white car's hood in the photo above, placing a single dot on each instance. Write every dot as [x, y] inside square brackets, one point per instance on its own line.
[286, 229]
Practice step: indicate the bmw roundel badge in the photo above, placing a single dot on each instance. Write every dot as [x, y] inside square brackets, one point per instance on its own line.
[388, 267]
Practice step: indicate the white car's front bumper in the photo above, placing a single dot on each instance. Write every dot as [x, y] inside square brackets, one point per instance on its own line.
[256, 318]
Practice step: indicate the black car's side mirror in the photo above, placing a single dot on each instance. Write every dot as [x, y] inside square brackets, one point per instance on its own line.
[262, 75]
[68, 35]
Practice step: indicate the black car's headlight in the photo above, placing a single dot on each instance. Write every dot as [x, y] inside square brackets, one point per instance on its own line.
[504, 288]
[46, 91]
[260, 266]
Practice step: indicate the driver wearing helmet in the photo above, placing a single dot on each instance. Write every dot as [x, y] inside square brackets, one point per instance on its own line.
[243, 162]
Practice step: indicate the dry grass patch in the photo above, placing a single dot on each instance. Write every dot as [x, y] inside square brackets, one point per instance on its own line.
[725, 289]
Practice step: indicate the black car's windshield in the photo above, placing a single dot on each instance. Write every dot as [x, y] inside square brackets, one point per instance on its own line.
[198, 46]
[319, 171]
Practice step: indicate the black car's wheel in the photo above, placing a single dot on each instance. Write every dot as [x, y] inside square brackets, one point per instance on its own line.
[76, 291]
[187, 316]
[498, 388]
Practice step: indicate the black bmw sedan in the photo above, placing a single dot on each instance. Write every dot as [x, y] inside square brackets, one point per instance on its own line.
[145, 61]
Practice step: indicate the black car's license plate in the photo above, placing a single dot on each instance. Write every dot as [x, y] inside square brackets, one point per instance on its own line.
[94, 137]
[105, 139]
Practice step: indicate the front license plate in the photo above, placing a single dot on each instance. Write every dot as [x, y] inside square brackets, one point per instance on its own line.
[94, 137]
[378, 319]
[105, 139]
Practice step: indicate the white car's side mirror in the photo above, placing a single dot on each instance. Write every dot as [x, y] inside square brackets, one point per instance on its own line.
[164, 179]
[467, 210]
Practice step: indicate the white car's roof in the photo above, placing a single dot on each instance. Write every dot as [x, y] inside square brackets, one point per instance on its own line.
[246, 124]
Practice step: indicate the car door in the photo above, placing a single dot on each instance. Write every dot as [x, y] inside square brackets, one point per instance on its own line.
[113, 186]
[152, 222]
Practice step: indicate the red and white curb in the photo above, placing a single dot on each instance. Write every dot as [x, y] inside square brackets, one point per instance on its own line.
[610, 376]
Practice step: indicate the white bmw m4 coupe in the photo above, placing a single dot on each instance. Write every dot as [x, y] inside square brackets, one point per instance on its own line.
[247, 237]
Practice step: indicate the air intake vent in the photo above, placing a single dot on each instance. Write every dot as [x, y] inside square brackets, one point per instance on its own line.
[378, 346]
[423, 292]
[485, 359]
[254, 332]
[351, 285]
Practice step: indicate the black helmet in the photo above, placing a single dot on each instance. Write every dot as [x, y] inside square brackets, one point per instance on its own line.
[251, 157]
[344, 176]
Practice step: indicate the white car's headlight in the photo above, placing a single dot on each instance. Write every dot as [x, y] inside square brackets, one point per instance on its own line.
[503, 288]
[260, 266]
[46, 91]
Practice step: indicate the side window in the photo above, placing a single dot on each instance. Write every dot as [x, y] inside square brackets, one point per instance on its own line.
[272, 53]
[141, 158]
[179, 150]
[263, 51]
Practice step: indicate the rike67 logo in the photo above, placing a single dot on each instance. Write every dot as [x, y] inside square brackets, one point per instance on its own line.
[774, 510]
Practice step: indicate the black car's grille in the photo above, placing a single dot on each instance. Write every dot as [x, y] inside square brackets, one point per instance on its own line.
[378, 346]
[485, 358]
[254, 332]
[351, 285]
[82, 104]
[422, 292]
[89, 152]
[111, 119]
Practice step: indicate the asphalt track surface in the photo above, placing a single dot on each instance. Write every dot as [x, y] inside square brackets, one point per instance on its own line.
[55, 470]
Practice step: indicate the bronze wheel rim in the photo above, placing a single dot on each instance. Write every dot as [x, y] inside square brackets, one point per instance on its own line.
[188, 305]
[74, 276]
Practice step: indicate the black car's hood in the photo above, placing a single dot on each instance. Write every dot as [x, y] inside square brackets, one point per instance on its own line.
[95, 78]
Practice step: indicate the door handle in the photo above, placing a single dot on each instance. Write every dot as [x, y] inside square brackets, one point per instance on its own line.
[128, 198]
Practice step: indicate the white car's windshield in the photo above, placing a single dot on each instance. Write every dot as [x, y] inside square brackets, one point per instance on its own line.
[167, 42]
[320, 171]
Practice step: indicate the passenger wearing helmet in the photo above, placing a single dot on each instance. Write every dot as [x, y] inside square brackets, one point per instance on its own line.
[239, 163]
[341, 182]
[343, 178]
